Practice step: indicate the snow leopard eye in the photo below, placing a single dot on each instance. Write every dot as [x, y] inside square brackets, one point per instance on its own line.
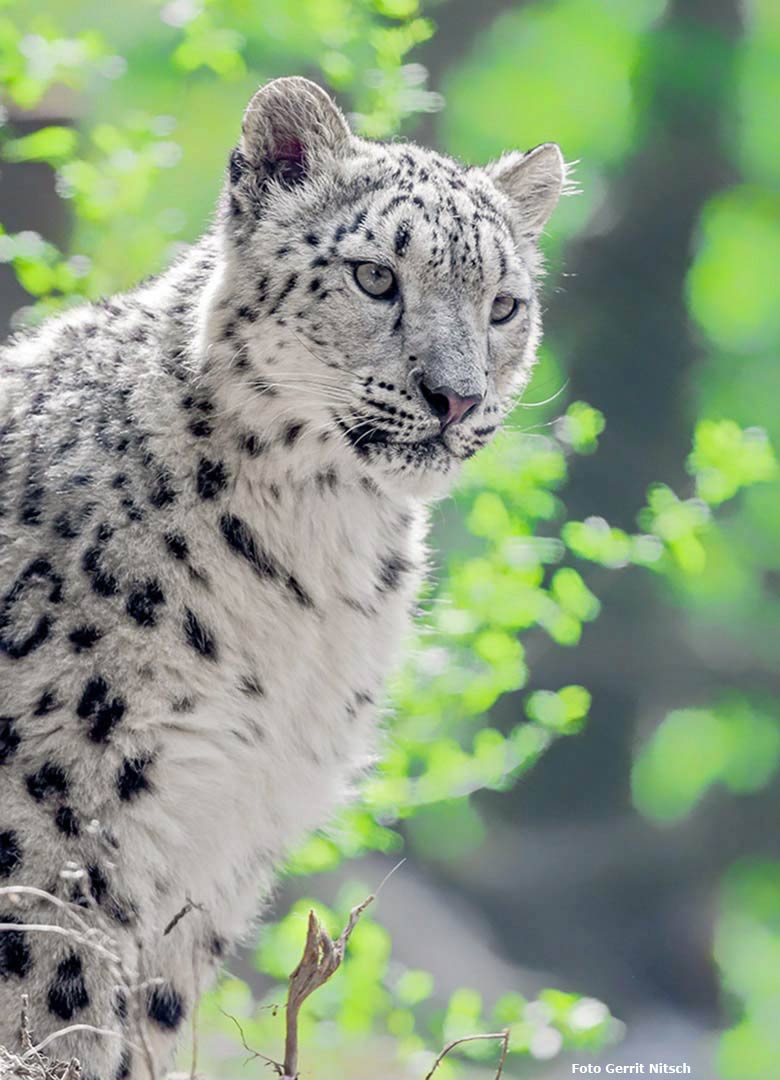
[504, 308]
[376, 280]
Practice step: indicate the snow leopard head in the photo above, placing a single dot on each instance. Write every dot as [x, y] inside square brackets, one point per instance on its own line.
[388, 290]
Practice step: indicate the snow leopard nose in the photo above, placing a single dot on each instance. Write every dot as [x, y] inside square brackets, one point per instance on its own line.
[449, 406]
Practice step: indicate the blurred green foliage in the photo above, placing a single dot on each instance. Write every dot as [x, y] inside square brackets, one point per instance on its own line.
[140, 177]
[735, 744]
[747, 950]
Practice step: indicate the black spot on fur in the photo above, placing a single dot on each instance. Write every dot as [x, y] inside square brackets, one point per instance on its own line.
[134, 512]
[182, 705]
[94, 693]
[68, 993]
[327, 479]
[391, 571]
[176, 545]
[292, 432]
[9, 738]
[241, 540]
[290, 284]
[120, 1005]
[131, 779]
[164, 1006]
[67, 822]
[123, 1069]
[143, 600]
[298, 591]
[15, 958]
[211, 478]
[68, 527]
[198, 637]
[358, 220]
[201, 429]
[95, 706]
[98, 884]
[10, 852]
[50, 779]
[252, 445]
[19, 647]
[84, 637]
[30, 511]
[103, 583]
[251, 686]
[106, 718]
[162, 493]
[403, 235]
[46, 703]
[397, 200]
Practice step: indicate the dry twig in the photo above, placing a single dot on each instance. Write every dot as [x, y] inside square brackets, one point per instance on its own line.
[502, 1035]
[189, 906]
[254, 1053]
[321, 958]
[33, 1065]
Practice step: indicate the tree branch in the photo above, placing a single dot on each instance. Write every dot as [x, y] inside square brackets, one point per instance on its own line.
[502, 1035]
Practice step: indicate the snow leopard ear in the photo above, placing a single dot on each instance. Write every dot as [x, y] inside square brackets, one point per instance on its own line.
[289, 126]
[532, 182]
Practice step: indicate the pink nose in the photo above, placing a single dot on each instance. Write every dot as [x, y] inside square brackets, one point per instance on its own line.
[449, 406]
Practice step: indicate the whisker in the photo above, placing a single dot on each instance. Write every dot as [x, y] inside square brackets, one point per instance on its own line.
[326, 363]
[316, 391]
[538, 404]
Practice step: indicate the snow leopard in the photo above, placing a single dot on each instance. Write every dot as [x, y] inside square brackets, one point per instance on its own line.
[214, 493]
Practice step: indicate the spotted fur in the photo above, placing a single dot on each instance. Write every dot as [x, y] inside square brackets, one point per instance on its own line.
[213, 497]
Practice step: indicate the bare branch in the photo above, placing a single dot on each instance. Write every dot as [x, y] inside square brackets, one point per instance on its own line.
[189, 906]
[502, 1035]
[275, 1065]
[321, 958]
[73, 1070]
[27, 1043]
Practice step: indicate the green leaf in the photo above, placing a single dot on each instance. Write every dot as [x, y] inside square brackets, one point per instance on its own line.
[573, 595]
[50, 144]
[726, 458]
[580, 427]
[563, 712]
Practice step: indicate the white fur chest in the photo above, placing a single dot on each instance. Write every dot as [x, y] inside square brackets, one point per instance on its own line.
[309, 607]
